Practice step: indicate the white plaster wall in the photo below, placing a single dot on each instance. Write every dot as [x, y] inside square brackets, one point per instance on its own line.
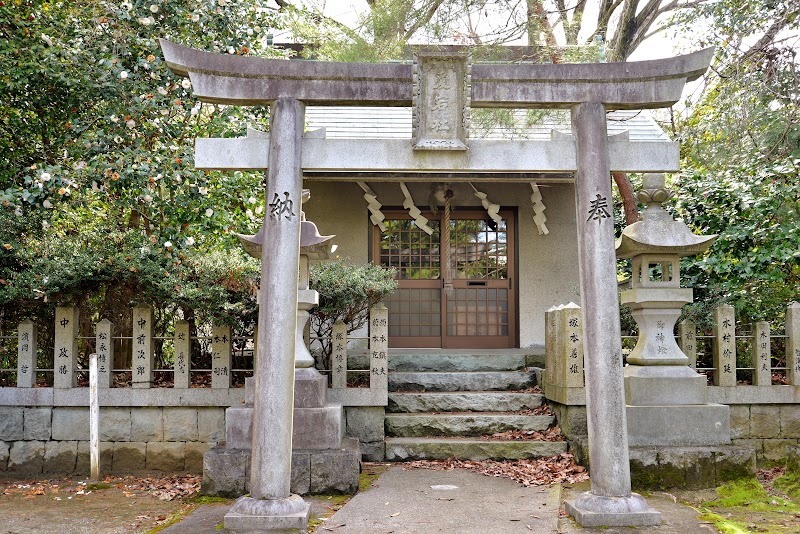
[547, 264]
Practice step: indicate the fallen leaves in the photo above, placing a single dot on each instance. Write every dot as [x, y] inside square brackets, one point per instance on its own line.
[533, 472]
[551, 434]
[166, 488]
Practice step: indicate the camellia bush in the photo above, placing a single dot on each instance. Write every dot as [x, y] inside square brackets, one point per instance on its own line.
[346, 293]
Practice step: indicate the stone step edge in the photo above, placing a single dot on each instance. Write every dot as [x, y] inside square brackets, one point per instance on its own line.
[443, 414]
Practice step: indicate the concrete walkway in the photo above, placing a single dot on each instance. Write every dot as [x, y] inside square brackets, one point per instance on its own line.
[411, 501]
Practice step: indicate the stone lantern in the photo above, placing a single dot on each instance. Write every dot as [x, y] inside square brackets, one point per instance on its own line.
[666, 399]
[313, 246]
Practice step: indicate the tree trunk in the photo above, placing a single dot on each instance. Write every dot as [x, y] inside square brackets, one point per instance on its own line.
[628, 198]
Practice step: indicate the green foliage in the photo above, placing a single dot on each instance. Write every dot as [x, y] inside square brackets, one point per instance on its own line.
[741, 156]
[100, 203]
[346, 293]
[740, 493]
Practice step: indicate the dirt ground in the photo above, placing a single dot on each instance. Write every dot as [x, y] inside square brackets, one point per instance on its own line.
[119, 505]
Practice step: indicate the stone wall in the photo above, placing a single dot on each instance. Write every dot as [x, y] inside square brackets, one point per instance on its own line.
[132, 439]
[39, 439]
[770, 430]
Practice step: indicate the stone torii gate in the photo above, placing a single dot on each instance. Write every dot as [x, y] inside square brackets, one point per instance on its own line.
[441, 87]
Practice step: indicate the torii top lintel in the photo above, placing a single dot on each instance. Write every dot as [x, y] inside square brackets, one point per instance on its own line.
[238, 80]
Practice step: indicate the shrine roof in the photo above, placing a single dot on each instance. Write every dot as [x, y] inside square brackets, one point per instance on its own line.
[349, 122]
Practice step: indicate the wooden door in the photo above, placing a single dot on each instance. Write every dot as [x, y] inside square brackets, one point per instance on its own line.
[476, 307]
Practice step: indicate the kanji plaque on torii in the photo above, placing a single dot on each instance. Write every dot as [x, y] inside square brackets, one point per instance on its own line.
[588, 90]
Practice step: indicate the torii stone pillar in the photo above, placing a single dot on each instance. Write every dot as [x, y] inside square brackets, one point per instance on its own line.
[271, 506]
[610, 501]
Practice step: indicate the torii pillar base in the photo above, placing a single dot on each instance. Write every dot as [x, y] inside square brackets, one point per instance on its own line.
[268, 515]
[591, 510]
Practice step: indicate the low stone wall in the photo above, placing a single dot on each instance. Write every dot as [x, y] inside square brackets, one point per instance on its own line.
[133, 439]
[769, 429]
[39, 439]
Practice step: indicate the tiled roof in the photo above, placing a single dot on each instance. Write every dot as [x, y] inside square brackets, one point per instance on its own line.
[395, 123]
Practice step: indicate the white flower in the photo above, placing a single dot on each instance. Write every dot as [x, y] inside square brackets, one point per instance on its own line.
[249, 214]
[162, 91]
[47, 39]
[190, 241]
[165, 112]
[153, 8]
[45, 177]
[147, 198]
[153, 76]
[259, 210]
[159, 176]
[146, 21]
[231, 50]
[195, 17]
[126, 6]
[131, 124]
[202, 190]
[47, 204]
[117, 139]
[186, 83]
[252, 200]
[113, 118]
[221, 2]
[144, 250]
[194, 111]
[18, 211]
[209, 212]
[45, 224]
[167, 244]
[249, 31]
[123, 75]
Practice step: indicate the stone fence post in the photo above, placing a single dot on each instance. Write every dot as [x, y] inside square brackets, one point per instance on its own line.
[687, 341]
[339, 356]
[379, 347]
[762, 354]
[724, 346]
[65, 347]
[571, 355]
[104, 348]
[220, 357]
[142, 358]
[182, 362]
[793, 344]
[26, 354]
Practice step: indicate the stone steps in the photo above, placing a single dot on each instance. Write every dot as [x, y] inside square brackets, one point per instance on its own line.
[461, 381]
[464, 401]
[460, 424]
[402, 449]
[441, 403]
[456, 361]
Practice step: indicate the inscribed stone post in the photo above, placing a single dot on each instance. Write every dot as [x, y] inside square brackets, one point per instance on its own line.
[26, 354]
[104, 348]
[573, 345]
[182, 349]
[379, 347]
[558, 344]
[687, 339]
[724, 346]
[762, 354]
[339, 355]
[549, 349]
[65, 347]
[220, 356]
[793, 344]
[142, 358]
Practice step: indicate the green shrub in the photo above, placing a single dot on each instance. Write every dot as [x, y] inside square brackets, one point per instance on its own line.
[346, 292]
